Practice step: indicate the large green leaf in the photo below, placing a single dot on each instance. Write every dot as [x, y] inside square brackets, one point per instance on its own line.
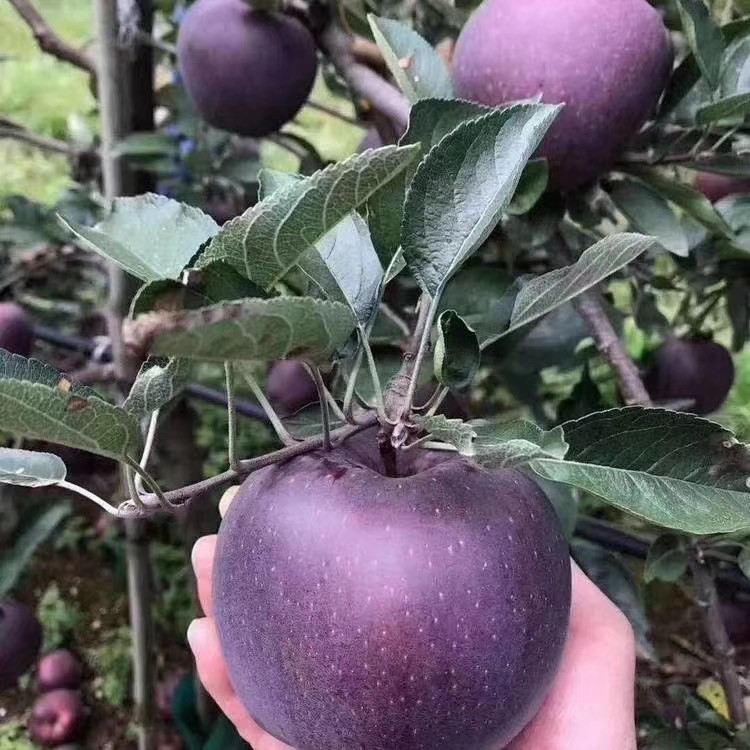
[254, 329]
[463, 185]
[38, 402]
[150, 236]
[346, 268]
[704, 37]
[690, 200]
[733, 100]
[432, 119]
[675, 470]
[497, 445]
[417, 68]
[14, 561]
[30, 468]
[269, 239]
[648, 211]
[544, 293]
[158, 382]
[457, 353]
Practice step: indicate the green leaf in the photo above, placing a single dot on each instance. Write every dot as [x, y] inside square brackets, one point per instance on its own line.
[30, 468]
[346, 268]
[667, 559]
[269, 239]
[254, 329]
[497, 445]
[146, 144]
[150, 236]
[158, 382]
[38, 402]
[531, 187]
[432, 119]
[455, 432]
[673, 469]
[416, 67]
[650, 213]
[271, 180]
[704, 37]
[541, 295]
[743, 561]
[733, 101]
[14, 561]
[729, 108]
[457, 354]
[690, 200]
[462, 187]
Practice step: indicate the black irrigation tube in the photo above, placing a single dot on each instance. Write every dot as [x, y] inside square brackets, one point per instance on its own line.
[587, 528]
[199, 392]
[617, 541]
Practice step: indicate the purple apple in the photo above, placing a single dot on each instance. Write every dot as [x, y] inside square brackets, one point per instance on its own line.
[59, 669]
[702, 371]
[718, 186]
[357, 610]
[290, 387]
[607, 60]
[247, 71]
[57, 717]
[20, 641]
[16, 329]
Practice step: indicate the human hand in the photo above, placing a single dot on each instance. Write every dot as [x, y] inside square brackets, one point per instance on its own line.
[590, 705]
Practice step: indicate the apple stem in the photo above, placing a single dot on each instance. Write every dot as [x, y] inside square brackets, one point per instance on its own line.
[387, 453]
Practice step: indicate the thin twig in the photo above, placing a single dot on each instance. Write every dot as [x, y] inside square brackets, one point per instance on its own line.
[39, 141]
[148, 446]
[281, 432]
[184, 494]
[721, 646]
[333, 113]
[103, 504]
[374, 377]
[612, 348]
[325, 414]
[231, 418]
[49, 41]
[364, 81]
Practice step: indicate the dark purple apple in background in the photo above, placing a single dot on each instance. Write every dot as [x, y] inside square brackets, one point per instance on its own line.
[20, 641]
[247, 71]
[699, 370]
[57, 717]
[290, 387]
[361, 611]
[607, 60]
[59, 669]
[718, 186]
[16, 329]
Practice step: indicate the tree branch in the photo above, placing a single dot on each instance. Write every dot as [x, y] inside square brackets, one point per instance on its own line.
[721, 646]
[608, 343]
[364, 81]
[185, 494]
[19, 133]
[49, 41]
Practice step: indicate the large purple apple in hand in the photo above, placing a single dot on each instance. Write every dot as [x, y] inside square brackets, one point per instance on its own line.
[607, 60]
[357, 610]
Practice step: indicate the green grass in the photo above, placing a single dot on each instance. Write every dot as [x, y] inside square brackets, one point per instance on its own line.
[41, 93]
